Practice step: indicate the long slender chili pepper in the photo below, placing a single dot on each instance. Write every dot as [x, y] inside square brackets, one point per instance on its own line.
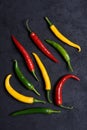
[59, 35]
[45, 76]
[17, 95]
[62, 51]
[39, 44]
[58, 90]
[26, 56]
[23, 79]
[36, 110]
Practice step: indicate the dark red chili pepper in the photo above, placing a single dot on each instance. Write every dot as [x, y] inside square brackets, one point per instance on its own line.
[39, 44]
[26, 56]
[58, 90]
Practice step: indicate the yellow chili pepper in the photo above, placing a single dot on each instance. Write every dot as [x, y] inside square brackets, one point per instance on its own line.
[18, 96]
[45, 76]
[59, 35]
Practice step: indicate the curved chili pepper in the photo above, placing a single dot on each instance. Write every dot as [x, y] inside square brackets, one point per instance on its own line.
[59, 35]
[59, 87]
[39, 44]
[17, 95]
[62, 51]
[23, 79]
[45, 76]
[36, 110]
[26, 56]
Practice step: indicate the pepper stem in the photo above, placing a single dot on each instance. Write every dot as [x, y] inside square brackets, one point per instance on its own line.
[33, 72]
[55, 111]
[48, 21]
[36, 91]
[48, 96]
[40, 101]
[28, 28]
[70, 67]
[66, 107]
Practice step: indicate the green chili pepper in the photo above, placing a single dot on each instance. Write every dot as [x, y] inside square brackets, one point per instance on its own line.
[62, 51]
[36, 110]
[22, 78]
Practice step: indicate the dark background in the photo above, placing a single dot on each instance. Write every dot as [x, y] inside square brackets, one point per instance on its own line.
[70, 16]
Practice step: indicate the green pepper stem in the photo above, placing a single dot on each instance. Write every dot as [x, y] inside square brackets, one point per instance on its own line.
[70, 67]
[40, 101]
[48, 96]
[55, 111]
[36, 91]
[48, 21]
[33, 72]
[66, 107]
[28, 28]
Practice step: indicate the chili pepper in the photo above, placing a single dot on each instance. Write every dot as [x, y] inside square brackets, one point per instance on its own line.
[59, 87]
[23, 79]
[17, 95]
[59, 35]
[26, 56]
[45, 76]
[36, 110]
[62, 51]
[39, 44]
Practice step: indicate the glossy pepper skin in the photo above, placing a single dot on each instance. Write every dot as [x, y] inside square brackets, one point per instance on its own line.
[23, 79]
[17, 95]
[45, 76]
[60, 36]
[26, 56]
[62, 51]
[59, 88]
[39, 44]
[36, 110]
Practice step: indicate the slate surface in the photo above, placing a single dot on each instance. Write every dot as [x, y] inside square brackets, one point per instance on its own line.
[70, 16]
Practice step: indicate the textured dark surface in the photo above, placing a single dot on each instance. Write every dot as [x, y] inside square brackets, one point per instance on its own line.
[70, 16]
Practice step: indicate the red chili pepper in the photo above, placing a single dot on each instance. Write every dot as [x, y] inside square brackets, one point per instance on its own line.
[26, 56]
[58, 90]
[39, 44]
